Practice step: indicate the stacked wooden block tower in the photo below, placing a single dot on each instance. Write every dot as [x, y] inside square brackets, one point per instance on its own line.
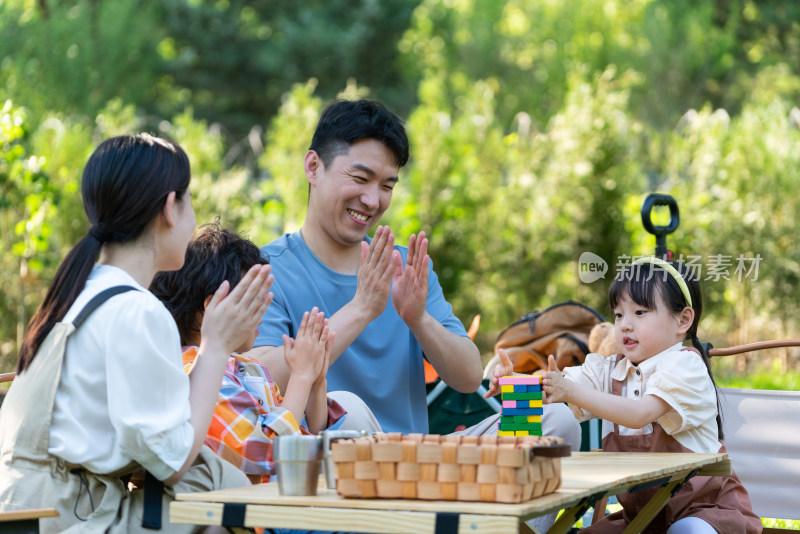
[452, 467]
[521, 413]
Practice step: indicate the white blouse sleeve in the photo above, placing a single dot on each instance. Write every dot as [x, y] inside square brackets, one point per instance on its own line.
[593, 374]
[148, 392]
[682, 381]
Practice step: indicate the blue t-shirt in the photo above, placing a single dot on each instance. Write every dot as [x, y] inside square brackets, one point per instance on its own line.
[383, 365]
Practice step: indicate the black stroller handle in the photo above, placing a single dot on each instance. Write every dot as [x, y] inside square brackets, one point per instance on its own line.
[661, 232]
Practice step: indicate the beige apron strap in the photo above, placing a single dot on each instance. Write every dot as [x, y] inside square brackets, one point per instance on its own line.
[29, 402]
[28, 407]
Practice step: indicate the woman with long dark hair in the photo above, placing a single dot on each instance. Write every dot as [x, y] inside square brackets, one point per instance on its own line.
[100, 394]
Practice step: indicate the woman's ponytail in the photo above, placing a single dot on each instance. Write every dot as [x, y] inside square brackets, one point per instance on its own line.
[67, 284]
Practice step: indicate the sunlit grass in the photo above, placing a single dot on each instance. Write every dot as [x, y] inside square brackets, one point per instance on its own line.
[791, 524]
[768, 376]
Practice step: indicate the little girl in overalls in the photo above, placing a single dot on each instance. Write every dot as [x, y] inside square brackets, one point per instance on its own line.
[100, 392]
[657, 396]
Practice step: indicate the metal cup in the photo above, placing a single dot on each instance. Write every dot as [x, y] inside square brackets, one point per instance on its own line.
[297, 462]
[328, 437]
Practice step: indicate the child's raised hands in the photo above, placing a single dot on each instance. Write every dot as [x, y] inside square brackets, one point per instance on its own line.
[505, 368]
[231, 317]
[308, 353]
[323, 373]
[554, 385]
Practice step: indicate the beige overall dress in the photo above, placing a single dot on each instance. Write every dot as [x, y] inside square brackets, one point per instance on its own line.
[720, 501]
[87, 502]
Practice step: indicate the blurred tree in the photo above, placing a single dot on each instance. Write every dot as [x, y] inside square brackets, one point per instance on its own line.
[283, 185]
[763, 35]
[689, 52]
[234, 60]
[70, 57]
[230, 61]
[736, 178]
[532, 46]
[26, 216]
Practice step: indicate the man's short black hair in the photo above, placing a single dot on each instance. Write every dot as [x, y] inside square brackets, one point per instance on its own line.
[343, 122]
[213, 256]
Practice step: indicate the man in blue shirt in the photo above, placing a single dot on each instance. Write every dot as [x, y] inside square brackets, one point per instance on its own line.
[384, 301]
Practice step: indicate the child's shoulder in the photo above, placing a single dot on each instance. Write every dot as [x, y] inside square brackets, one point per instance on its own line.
[680, 360]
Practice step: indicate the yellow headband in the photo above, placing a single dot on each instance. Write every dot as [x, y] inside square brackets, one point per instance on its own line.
[671, 270]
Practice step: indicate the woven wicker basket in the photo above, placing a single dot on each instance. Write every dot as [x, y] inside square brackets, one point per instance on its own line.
[452, 467]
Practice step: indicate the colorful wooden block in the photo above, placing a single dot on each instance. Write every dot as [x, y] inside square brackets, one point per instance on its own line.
[530, 427]
[529, 403]
[522, 411]
[521, 399]
[521, 419]
[528, 395]
[518, 380]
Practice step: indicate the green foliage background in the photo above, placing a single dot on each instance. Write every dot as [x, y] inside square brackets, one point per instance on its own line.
[537, 128]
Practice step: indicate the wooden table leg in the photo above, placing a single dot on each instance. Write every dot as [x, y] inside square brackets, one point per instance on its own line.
[571, 515]
[656, 503]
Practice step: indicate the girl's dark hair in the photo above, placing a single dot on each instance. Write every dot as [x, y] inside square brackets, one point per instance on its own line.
[643, 283]
[213, 256]
[124, 186]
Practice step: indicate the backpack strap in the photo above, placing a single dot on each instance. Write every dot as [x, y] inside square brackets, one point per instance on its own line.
[97, 300]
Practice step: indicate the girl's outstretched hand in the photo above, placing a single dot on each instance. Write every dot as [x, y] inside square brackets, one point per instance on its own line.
[307, 354]
[554, 385]
[231, 317]
[505, 368]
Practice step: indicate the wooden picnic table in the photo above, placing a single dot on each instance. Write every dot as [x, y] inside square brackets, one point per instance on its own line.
[586, 477]
[24, 521]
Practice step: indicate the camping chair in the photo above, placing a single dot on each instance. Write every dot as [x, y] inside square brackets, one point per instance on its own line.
[762, 428]
[762, 436]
